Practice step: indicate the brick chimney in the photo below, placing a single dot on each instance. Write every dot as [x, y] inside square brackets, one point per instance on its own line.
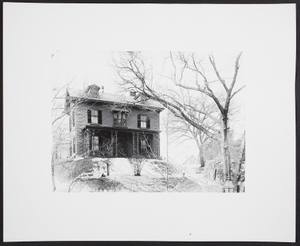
[92, 91]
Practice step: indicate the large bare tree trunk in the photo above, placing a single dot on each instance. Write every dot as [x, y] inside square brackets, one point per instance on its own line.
[226, 151]
[136, 82]
[201, 155]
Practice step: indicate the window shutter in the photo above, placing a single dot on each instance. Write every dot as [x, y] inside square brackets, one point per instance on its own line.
[99, 117]
[100, 142]
[70, 126]
[139, 121]
[148, 122]
[89, 114]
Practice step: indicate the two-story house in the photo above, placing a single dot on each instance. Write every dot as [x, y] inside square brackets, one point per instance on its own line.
[109, 125]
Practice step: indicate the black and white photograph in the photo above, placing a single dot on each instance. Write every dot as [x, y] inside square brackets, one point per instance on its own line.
[172, 124]
[149, 122]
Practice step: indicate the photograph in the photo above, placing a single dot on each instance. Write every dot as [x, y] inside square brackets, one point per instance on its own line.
[173, 122]
[149, 122]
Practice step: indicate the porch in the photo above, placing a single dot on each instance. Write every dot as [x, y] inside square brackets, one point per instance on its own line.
[104, 142]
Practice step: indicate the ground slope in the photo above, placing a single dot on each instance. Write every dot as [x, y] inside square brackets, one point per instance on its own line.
[80, 176]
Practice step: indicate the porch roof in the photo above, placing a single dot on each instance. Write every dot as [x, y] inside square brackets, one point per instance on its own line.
[118, 129]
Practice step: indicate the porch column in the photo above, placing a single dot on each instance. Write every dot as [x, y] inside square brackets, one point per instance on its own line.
[112, 143]
[116, 140]
[133, 144]
[88, 147]
[93, 134]
[137, 143]
[156, 144]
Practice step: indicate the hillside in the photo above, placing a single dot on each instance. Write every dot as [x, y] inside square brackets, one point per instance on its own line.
[85, 175]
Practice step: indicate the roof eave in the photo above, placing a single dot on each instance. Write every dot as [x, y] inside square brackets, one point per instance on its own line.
[125, 103]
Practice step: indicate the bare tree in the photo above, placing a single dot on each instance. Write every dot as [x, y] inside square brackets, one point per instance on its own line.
[181, 130]
[59, 125]
[189, 81]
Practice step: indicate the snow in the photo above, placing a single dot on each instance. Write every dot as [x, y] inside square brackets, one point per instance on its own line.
[120, 166]
[121, 178]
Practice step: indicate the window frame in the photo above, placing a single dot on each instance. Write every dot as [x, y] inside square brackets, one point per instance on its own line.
[120, 118]
[146, 122]
[94, 114]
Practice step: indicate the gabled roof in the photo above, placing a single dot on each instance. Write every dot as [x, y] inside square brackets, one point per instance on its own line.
[192, 157]
[113, 98]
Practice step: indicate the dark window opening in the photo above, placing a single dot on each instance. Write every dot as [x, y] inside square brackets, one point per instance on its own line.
[120, 119]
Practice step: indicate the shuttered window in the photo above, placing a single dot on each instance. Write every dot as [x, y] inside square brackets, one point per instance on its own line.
[143, 121]
[94, 116]
[120, 119]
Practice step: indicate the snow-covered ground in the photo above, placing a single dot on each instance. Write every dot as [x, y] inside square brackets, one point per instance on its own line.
[121, 178]
[120, 166]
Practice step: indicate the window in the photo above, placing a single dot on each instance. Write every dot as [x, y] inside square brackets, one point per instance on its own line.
[95, 143]
[143, 121]
[94, 116]
[120, 119]
[143, 144]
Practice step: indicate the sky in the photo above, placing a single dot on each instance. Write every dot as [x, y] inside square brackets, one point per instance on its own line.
[76, 35]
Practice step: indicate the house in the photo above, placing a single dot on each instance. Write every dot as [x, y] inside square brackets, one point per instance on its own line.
[192, 160]
[109, 125]
[192, 165]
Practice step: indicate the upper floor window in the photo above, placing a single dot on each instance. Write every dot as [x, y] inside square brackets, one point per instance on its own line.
[120, 119]
[143, 121]
[94, 116]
